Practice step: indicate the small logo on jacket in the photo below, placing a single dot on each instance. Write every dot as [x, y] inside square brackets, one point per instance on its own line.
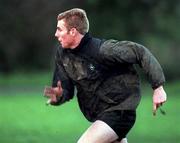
[92, 67]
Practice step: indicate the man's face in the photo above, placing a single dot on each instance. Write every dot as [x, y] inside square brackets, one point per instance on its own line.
[63, 35]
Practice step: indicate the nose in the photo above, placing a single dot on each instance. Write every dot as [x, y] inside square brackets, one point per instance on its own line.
[56, 34]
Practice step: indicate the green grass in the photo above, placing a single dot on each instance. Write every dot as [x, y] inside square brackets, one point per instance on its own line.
[24, 117]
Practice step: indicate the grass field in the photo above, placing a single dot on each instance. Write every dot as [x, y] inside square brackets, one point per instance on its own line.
[24, 117]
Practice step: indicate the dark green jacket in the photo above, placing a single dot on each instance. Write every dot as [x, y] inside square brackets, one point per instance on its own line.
[104, 75]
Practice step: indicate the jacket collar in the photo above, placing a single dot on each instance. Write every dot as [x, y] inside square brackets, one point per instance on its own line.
[82, 44]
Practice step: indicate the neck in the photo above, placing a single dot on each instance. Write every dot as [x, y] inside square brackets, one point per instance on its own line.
[77, 41]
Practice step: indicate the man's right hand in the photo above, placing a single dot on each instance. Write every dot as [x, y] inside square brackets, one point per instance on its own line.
[53, 92]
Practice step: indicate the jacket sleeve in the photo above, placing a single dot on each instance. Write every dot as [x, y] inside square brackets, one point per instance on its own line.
[127, 52]
[67, 84]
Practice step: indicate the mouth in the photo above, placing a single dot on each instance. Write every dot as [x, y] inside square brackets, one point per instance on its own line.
[59, 40]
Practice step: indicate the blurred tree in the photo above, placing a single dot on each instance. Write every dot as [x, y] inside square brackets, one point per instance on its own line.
[27, 31]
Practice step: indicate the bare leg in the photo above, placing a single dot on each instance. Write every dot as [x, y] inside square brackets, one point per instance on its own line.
[124, 140]
[99, 132]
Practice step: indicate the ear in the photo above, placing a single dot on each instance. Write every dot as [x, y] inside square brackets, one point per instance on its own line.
[73, 31]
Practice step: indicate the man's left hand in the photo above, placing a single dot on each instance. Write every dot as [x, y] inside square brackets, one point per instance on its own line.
[159, 97]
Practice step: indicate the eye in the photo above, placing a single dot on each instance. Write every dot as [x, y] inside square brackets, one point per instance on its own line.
[59, 29]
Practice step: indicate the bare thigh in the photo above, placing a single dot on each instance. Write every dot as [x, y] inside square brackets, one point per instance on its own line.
[98, 132]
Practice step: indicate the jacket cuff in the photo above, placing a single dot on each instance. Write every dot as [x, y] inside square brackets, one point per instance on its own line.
[155, 86]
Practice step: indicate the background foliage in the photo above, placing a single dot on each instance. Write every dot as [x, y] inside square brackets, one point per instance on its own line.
[27, 29]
